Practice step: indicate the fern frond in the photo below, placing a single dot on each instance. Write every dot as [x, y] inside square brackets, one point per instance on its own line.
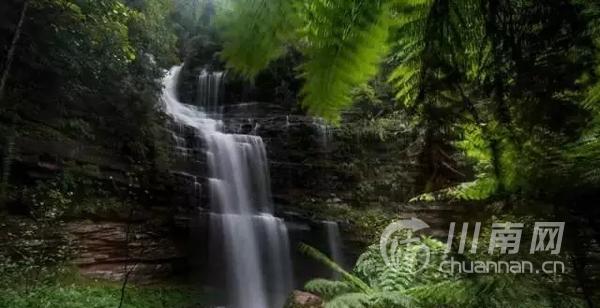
[374, 300]
[350, 300]
[345, 42]
[328, 289]
[321, 257]
[491, 291]
[412, 21]
[254, 32]
[393, 299]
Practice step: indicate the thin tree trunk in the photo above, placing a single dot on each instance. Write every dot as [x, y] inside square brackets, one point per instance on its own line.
[10, 139]
[9, 149]
[13, 47]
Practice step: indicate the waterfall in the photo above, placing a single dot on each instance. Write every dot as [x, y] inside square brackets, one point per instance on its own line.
[324, 132]
[334, 241]
[208, 90]
[255, 243]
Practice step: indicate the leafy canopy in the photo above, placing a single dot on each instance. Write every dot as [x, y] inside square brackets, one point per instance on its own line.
[343, 43]
[514, 83]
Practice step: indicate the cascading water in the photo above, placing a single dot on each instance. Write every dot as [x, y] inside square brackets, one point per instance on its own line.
[256, 248]
[334, 241]
[324, 131]
[208, 90]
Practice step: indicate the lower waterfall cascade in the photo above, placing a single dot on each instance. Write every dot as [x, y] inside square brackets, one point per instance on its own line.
[256, 252]
[334, 242]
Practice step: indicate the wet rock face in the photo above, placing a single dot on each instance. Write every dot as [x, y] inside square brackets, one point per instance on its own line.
[112, 250]
[38, 158]
[299, 158]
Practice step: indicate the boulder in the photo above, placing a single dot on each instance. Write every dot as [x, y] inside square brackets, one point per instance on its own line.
[300, 299]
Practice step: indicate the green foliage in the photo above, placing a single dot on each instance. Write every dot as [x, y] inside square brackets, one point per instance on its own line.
[493, 291]
[32, 247]
[470, 78]
[373, 283]
[63, 288]
[378, 147]
[364, 224]
[151, 31]
[579, 162]
[353, 281]
[404, 273]
[497, 165]
[91, 69]
[485, 74]
[254, 32]
[46, 201]
[328, 289]
[345, 42]
[102, 34]
[412, 22]
[401, 286]
[191, 17]
[591, 12]
[104, 207]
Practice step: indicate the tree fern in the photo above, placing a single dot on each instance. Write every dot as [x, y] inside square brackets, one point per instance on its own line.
[493, 291]
[329, 289]
[390, 287]
[498, 167]
[412, 19]
[374, 283]
[353, 280]
[480, 71]
[345, 42]
[591, 12]
[350, 300]
[254, 32]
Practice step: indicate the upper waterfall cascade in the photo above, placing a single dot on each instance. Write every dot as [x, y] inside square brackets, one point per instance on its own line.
[255, 243]
[209, 90]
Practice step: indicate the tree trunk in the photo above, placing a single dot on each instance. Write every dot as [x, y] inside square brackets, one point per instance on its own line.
[9, 149]
[11, 51]
[10, 138]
